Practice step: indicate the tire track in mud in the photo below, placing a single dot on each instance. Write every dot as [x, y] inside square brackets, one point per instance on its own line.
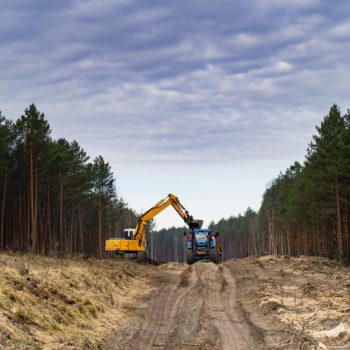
[223, 311]
[160, 322]
[166, 319]
[192, 309]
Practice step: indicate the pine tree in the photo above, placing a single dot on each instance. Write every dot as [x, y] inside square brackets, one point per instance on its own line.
[105, 190]
[33, 133]
[6, 153]
[326, 157]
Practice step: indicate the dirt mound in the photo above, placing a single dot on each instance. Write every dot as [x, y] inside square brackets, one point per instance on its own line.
[308, 297]
[64, 304]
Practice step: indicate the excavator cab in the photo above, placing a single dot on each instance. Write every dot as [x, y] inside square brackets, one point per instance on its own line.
[129, 233]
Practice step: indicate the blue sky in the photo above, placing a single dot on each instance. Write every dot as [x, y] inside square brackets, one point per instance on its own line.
[205, 99]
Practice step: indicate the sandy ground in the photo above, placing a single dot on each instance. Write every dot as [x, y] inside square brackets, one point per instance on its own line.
[193, 308]
[254, 303]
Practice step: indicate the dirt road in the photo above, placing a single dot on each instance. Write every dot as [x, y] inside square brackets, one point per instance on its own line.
[194, 307]
[253, 303]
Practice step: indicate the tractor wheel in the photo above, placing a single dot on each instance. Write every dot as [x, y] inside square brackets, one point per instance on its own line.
[189, 256]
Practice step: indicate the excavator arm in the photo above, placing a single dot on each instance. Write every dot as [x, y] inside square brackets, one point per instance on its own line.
[192, 223]
[159, 207]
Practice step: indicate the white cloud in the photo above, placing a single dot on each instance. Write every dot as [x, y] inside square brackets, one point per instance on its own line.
[173, 84]
[245, 40]
[96, 7]
[283, 66]
[288, 3]
[341, 31]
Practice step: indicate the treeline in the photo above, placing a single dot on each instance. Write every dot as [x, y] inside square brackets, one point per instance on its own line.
[52, 199]
[167, 244]
[238, 235]
[235, 235]
[306, 209]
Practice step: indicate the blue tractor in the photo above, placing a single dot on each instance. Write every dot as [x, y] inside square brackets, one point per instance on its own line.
[202, 244]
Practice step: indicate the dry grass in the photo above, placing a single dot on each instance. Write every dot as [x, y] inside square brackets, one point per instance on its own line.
[48, 303]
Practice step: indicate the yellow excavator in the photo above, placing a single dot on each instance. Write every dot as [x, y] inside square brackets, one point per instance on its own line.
[133, 243]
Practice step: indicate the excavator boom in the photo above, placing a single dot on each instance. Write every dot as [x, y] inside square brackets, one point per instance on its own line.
[192, 223]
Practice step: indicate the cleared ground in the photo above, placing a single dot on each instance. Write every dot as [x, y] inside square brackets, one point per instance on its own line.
[303, 303]
[254, 303]
[193, 308]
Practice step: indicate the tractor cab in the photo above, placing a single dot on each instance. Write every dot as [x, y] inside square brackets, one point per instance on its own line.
[201, 237]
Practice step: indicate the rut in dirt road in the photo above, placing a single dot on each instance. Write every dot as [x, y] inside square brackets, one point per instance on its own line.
[195, 308]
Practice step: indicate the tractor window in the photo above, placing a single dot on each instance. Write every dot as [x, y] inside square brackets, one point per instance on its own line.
[201, 236]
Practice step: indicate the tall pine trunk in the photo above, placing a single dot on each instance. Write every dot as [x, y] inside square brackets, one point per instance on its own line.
[100, 226]
[346, 230]
[3, 214]
[20, 219]
[61, 214]
[36, 226]
[32, 211]
[81, 231]
[339, 228]
[49, 233]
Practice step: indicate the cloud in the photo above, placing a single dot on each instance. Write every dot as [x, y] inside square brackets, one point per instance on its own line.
[177, 84]
[289, 3]
[341, 31]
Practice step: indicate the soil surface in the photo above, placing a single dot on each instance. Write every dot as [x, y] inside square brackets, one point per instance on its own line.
[253, 303]
[193, 307]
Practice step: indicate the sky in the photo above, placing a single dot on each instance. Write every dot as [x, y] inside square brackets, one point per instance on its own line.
[208, 100]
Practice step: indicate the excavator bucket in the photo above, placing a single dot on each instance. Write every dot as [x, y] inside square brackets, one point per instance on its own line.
[195, 224]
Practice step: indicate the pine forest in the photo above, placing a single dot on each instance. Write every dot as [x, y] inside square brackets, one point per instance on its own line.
[54, 200]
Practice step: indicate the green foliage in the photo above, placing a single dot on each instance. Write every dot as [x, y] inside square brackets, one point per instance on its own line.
[32, 128]
[103, 178]
[305, 210]
[50, 192]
